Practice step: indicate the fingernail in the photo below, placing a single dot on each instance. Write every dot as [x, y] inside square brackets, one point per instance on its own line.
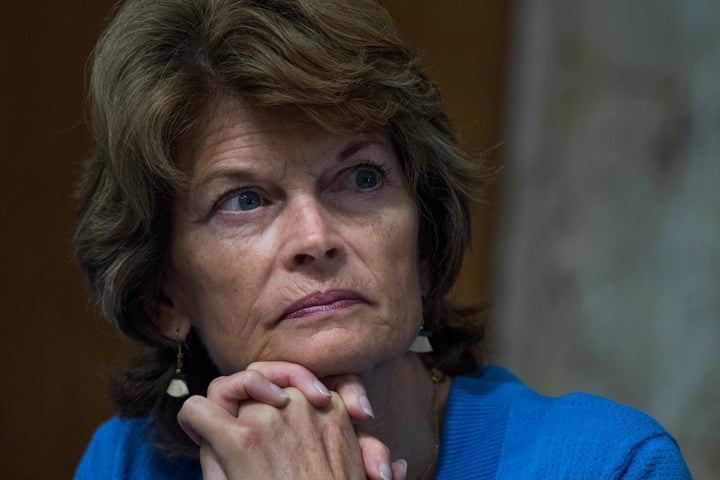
[279, 391]
[385, 471]
[365, 404]
[403, 464]
[320, 387]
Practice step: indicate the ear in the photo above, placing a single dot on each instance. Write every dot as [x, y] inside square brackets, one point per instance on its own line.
[171, 318]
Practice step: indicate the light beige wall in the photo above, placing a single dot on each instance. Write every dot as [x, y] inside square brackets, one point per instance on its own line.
[609, 268]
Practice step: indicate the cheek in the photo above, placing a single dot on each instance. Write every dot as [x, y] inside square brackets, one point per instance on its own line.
[221, 312]
[401, 242]
[214, 279]
[401, 267]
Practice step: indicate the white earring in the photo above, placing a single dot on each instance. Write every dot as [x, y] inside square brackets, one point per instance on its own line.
[178, 387]
[421, 344]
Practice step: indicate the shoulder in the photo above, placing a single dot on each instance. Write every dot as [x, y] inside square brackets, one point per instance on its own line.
[113, 443]
[528, 435]
[586, 436]
[120, 449]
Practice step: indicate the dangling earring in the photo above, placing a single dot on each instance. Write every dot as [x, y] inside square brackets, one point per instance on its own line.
[422, 344]
[178, 387]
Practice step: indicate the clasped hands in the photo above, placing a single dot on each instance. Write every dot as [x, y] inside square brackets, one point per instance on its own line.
[277, 420]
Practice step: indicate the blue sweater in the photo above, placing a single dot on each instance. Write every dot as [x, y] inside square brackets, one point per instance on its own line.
[495, 427]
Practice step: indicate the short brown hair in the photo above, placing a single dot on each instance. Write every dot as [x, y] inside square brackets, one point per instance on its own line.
[157, 69]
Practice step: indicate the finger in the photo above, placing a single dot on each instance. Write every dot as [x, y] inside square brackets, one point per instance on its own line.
[186, 424]
[352, 391]
[205, 422]
[211, 468]
[229, 391]
[285, 374]
[399, 469]
[376, 457]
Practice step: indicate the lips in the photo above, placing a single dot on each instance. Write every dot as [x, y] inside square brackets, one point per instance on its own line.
[321, 302]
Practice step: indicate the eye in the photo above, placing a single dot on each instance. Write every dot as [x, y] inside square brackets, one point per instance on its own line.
[369, 175]
[241, 201]
[366, 178]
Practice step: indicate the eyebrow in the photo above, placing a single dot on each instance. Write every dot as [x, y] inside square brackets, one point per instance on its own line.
[348, 151]
[361, 144]
[223, 173]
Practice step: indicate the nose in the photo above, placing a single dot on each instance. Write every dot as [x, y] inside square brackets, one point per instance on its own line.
[311, 236]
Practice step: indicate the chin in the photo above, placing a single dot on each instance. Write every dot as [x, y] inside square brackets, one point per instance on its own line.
[346, 358]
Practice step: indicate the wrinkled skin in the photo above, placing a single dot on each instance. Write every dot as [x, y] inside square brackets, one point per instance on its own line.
[294, 257]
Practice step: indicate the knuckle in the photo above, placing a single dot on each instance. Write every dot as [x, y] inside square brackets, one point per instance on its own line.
[253, 375]
[336, 400]
[294, 393]
[348, 384]
[254, 366]
[217, 383]
[245, 437]
[297, 401]
[383, 450]
[374, 447]
[260, 366]
[191, 406]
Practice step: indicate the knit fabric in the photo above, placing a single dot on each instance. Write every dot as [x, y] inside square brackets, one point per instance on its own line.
[494, 427]
[120, 450]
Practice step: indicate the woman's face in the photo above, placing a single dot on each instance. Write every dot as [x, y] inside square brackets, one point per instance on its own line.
[294, 244]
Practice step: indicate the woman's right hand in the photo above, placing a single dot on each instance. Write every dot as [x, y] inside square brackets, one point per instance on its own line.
[277, 420]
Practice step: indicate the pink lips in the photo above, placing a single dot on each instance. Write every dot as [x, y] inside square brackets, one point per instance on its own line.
[320, 302]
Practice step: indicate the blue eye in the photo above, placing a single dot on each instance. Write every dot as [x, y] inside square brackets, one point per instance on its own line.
[242, 201]
[366, 178]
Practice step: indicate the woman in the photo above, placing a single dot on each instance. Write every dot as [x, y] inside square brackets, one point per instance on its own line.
[277, 208]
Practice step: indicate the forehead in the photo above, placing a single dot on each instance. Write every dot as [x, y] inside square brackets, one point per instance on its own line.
[231, 130]
[228, 118]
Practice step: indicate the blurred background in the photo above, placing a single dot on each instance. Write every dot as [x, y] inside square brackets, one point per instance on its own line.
[599, 249]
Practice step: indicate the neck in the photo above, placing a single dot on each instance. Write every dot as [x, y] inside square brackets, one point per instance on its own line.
[409, 408]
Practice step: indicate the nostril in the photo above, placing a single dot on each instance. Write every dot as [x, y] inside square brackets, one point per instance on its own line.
[305, 258]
